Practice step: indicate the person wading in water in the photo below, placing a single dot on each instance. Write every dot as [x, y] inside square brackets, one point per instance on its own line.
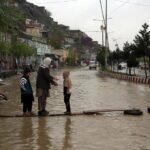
[43, 84]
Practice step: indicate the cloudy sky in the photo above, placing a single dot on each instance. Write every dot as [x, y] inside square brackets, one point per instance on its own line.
[126, 17]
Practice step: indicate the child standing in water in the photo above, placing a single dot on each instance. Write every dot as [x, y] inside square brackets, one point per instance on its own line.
[67, 90]
[26, 93]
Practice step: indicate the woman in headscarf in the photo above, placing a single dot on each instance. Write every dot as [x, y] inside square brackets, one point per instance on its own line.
[43, 84]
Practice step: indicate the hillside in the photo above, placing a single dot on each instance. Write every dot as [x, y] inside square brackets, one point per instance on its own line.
[35, 12]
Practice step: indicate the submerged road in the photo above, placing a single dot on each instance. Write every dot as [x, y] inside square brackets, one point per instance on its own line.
[90, 91]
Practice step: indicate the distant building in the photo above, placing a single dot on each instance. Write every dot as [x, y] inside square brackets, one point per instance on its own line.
[33, 28]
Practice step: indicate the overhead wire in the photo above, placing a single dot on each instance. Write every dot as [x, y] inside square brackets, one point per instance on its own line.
[92, 31]
[102, 11]
[116, 9]
[64, 1]
[135, 3]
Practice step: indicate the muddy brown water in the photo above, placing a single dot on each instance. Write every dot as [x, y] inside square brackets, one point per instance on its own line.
[108, 131]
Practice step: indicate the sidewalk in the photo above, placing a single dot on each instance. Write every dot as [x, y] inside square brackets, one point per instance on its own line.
[7, 73]
[137, 72]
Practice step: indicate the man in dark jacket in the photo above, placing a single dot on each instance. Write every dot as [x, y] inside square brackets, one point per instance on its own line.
[43, 84]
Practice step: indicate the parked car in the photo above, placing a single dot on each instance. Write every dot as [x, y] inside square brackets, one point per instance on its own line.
[92, 65]
[122, 66]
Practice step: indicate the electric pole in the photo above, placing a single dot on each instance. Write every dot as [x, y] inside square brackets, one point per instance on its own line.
[106, 36]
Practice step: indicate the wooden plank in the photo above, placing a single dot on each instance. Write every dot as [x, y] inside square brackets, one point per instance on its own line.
[103, 110]
[86, 112]
[50, 115]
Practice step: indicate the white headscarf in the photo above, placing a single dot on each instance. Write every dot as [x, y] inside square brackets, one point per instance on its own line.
[47, 61]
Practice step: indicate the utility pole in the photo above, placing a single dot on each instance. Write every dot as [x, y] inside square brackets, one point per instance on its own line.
[106, 36]
[102, 29]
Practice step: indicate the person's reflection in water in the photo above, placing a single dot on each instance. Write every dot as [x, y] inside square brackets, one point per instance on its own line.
[67, 139]
[26, 134]
[43, 140]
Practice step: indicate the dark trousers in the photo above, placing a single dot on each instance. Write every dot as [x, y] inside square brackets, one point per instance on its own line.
[42, 103]
[27, 102]
[27, 106]
[67, 102]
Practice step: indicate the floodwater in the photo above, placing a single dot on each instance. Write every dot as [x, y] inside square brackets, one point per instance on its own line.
[108, 131]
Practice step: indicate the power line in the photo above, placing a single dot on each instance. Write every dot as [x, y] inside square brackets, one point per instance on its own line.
[64, 1]
[102, 11]
[92, 31]
[134, 3]
[124, 3]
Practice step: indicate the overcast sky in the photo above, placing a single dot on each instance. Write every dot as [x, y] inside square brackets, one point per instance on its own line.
[127, 17]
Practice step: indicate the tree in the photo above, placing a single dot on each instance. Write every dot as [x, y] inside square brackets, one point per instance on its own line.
[142, 43]
[56, 37]
[11, 18]
[72, 56]
[101, 58]
[4, 48]
[115, 57]
[19, 49]
[129, 56]
[87, 41]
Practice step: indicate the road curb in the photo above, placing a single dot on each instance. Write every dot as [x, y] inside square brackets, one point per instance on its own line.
[134, 79]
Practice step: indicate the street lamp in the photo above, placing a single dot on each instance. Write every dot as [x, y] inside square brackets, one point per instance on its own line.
[116, 43]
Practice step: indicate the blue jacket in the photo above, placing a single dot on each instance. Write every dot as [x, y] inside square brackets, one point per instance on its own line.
[25, 86]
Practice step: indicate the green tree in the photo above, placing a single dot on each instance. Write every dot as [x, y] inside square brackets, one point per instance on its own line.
[19, 49]
[129, 56]
[142, 43]
[11, 18]
[4, 48]
[72, 56]
[56, 37]
[101, 58]
[116, 56]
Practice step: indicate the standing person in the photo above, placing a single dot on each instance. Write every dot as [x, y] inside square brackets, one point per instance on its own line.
[43, 84]
[26, 92]
[67, 90]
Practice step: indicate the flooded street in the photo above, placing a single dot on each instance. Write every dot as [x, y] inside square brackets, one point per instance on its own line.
[109, 131]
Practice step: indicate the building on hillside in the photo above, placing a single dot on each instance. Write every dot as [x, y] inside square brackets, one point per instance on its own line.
[39, 44]
[13, 3]
[68, 41]
[64, 28]
[36, 36]
[76, 34]
[33, 28]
